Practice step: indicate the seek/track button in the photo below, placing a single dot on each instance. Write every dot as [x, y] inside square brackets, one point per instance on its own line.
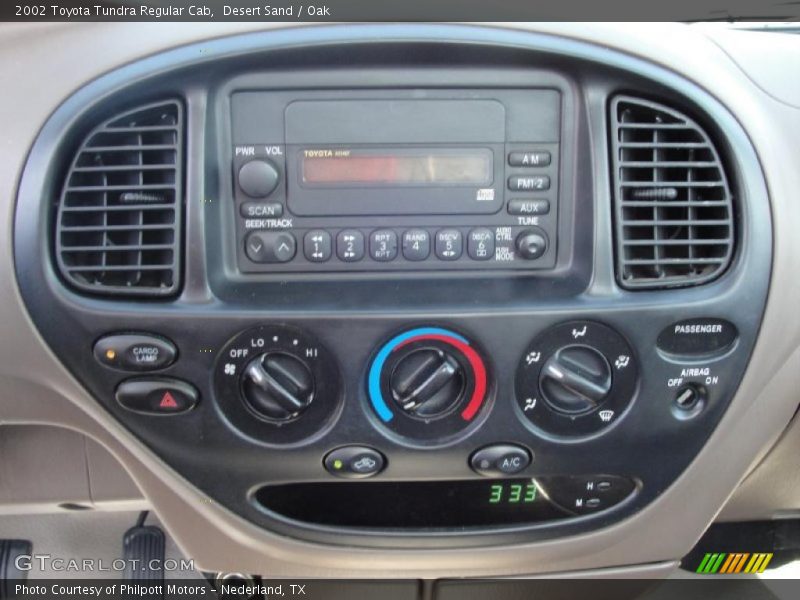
[270, 246]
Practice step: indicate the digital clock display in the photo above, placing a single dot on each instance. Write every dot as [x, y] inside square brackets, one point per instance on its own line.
[513, 493]
[413, 504]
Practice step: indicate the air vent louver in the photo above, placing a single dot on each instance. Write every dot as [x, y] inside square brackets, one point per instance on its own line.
[673, 204]
[119, 215]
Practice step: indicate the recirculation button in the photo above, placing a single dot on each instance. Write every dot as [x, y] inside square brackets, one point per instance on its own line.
[157, 396]
[354, 462]
[500, 459]
[135, 352]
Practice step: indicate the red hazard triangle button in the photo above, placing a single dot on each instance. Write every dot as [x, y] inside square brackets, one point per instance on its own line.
[159, 396]
[168, 402]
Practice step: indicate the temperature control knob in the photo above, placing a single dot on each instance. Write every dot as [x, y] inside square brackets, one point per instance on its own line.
[428, 385]
[575, 379]
[277, 386]
[428, 382]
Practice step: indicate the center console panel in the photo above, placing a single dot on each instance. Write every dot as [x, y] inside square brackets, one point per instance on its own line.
[399, 320]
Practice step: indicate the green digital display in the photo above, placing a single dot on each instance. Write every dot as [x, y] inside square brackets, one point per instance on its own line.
[513, 493]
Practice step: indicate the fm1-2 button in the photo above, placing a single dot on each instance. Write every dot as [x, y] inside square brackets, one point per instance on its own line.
[135, 352]
[317, 245]
[499, 460]
[350, 245]
[354, 462]
[416, 244]
[270, 246]
[480, 244]
[527, 183]
[157, 396]
[383, 245]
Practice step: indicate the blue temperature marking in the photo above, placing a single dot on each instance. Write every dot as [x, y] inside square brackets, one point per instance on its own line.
[374, 380]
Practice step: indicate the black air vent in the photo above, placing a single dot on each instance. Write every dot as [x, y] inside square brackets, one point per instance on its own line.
[673, 204]
[119, 215]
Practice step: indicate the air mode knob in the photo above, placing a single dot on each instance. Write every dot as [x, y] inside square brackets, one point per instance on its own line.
[277, 386]
[576, 379]
[428, 382]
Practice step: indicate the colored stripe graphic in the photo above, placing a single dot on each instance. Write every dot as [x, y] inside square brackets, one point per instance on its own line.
[732, 563]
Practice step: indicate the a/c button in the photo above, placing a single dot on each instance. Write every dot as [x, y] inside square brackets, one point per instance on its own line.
[500, 459]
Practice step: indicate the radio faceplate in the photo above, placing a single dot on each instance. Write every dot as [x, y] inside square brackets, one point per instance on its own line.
[396, 180]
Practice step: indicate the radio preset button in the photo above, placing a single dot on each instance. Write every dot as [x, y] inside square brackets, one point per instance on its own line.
[528, 207]
[258, 178]
[449, 244]
[350, 245]
[317, 245]
[480, 244]
[529, 158]
[528, 183]
[383, 245]
[260, 210]
[270, 246]
[416, 244]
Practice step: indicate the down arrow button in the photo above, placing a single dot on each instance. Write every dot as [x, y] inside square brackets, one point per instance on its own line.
[270, 246]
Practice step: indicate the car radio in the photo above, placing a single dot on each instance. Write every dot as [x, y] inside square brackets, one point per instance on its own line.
[396, 180]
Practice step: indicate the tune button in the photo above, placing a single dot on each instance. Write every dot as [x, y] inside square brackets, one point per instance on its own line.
[383, 245]
[531, 244]
[317, 245]
[350, 245]
[498, 460]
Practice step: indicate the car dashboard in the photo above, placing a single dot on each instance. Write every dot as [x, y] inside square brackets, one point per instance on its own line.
[421, 299]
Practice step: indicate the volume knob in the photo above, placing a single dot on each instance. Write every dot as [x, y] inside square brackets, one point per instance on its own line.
[576, 379]
[277, 386]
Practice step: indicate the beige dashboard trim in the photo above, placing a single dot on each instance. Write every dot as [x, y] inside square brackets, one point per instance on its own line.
[46, 62]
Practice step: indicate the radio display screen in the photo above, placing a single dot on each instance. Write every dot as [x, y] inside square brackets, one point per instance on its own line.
[342, 167]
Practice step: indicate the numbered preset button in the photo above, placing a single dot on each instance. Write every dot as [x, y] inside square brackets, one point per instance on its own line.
[449, 244]
[480, 244]
[350, 245]
[317, 245]
[416, 244]
[383, 245]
